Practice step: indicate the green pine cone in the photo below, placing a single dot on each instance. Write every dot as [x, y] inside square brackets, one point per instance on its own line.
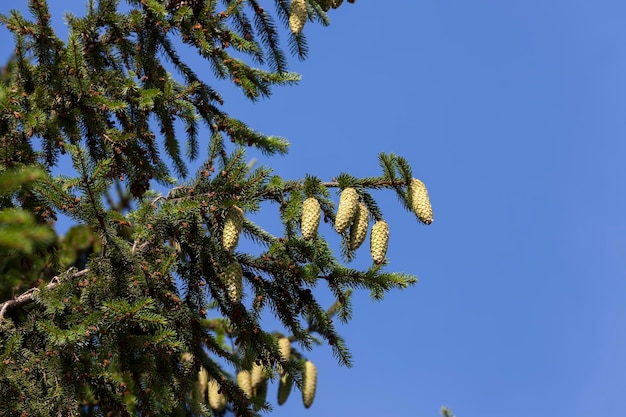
[285, 348]
[284, 388]
[186, 358]
[233, 279]
[309, 384]
[260, 394]
[379, 239]
[244, 382]
[358, 229]
[232, 228]
[348, 205]
[310, 217]
[284, 345]
[201, 386]
[420, 203]
[258, 375]
[297, 16]
[217, 400]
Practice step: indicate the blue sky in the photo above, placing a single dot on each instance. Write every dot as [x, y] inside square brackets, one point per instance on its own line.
[512, 113]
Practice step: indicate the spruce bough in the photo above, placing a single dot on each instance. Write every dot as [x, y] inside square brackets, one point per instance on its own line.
[147, 306]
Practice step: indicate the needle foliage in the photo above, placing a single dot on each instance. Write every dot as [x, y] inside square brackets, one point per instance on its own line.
[148, 305]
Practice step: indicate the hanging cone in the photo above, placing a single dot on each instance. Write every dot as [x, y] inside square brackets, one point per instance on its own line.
[284, 388]
[420, 203]
[297, 16]
[285, 348]
[358, 229]
[217, 400]
[232, 228]
[200, 388]
[310, 217]
[258, 375]
[348, 205]
[309, 384]
[244, 382]
[233, 279]
[379, 239]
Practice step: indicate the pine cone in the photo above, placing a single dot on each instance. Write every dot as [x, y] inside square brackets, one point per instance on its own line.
[258, 375]
[297, 16]
[358, 229]
[201, 385]
[285, 348]
[379, 239]
[233, 279]
[348, 205]
[244, 382]
[260, 393]
[217, 400]
[336, 3]
[309, 383]
[232, 228]
[284, 388]
[310, 217]
[420, 203]
[284, 345]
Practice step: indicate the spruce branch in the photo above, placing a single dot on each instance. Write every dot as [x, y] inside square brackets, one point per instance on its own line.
[107, 98]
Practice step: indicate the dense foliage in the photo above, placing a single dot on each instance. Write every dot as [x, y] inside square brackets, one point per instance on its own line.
[147, 306]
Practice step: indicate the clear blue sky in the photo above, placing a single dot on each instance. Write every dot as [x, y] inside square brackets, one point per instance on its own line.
[514, 115]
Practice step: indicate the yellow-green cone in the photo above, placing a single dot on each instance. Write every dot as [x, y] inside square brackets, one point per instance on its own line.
[186, 358]
[284, 345]
[258, 375]
[201, 386]
[379, 239]
[232, 228]
[285, 348]
[233, 279]
[310, 217]
[309, 383]
[348, 205]
[243, 380]
[420, 203]
[297, 16]
[260, 394]
[217, 400]
[358, 229]
[284, 388]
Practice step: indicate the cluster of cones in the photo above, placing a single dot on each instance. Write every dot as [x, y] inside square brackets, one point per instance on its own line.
[254, 383]
[353, 214]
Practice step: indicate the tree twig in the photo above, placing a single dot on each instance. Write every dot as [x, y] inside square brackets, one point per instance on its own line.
[27, 297]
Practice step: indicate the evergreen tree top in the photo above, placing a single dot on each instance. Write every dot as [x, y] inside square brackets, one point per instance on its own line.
[148, 306]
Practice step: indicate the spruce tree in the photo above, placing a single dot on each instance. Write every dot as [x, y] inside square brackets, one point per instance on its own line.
[147, 306]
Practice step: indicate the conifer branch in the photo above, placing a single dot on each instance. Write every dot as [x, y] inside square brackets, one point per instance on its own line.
[124, 328]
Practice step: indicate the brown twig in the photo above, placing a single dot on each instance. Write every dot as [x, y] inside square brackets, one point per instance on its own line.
[27, 297]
